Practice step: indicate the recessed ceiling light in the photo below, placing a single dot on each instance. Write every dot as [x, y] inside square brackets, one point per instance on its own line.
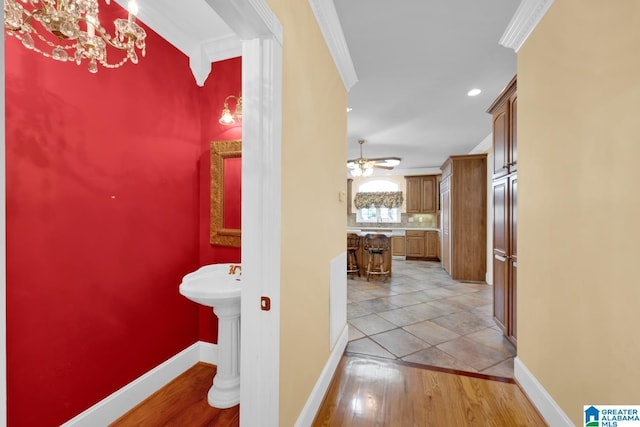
[474, 92]
[349, 109]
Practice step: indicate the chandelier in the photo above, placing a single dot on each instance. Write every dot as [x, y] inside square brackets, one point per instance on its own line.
[227, 118]
[70, 30]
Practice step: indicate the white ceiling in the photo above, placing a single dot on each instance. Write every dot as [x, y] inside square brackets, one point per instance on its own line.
[415, 61]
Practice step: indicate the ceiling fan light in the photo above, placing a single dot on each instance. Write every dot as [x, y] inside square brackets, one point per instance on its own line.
[368, 170]
[356, 172]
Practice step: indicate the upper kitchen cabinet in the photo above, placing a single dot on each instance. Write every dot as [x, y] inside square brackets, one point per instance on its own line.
[421, 194]
[505, 147]
[463, 207]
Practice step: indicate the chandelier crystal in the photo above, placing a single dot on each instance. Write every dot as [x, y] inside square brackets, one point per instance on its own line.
[70, 30]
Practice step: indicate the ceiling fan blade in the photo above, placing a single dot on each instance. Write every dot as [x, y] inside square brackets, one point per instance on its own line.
[382, 167]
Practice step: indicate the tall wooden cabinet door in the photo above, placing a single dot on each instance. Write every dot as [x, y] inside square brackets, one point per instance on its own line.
[445, 212]
[428, 194]
[414, 194]
[501, 141]
[513, 133]
[512, 333]
[500, 254]
[513, 258]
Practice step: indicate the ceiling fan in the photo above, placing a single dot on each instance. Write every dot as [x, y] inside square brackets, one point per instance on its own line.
[364, 167]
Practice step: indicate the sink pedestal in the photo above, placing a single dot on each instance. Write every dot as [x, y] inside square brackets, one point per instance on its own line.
[225, 391]
[218, 286]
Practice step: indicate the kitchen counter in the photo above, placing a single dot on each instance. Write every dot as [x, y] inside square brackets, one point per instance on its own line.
[424, 246]
[391, 231]
[363, 256]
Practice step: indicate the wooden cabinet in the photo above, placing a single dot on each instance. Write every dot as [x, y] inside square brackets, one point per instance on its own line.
[505, 222]
[505, 149]
[431, 244]
[445, 214]
[398, 246]
[415, 244]
[422, 244]
[463, 209]
[421, 194]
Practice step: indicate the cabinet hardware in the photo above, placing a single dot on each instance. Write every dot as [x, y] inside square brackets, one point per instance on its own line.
[265, 303]
[500, 258]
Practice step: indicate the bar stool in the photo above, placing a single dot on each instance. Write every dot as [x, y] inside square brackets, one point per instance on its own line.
[376, 245]
[353, 244]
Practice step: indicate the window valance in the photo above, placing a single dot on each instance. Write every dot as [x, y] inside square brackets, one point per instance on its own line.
[388, 199]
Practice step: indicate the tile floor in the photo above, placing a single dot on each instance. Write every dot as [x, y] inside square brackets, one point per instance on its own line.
[420, 315]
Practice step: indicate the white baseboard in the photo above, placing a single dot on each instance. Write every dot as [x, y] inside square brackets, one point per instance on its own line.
[120, 402]
[317, 394]
[548, 408]
[208, 352]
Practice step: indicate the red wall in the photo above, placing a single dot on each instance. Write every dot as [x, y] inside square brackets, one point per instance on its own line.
[105, 214]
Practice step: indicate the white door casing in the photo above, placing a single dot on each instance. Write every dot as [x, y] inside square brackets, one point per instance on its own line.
[261, 36]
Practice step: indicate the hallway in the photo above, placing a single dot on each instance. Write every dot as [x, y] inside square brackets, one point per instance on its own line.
[422, 316]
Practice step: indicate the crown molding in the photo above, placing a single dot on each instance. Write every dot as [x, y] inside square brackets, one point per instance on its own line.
[524, 21]
[206, 52]
[215, 31]
[249, 18]
[329, 23]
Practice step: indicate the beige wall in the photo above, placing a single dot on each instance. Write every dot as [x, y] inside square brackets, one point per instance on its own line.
[313, 167]
[579, 203]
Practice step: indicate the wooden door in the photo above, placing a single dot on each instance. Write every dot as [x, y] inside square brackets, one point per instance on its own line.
[414, 194]
[398, 246]
[513, 133]
[431, 244]
[513, 259]
[500, 254]
[445, 212]
[501, 141]
[415, 244]
[428, 186]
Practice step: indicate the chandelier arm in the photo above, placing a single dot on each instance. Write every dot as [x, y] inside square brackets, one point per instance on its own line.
[89, 44]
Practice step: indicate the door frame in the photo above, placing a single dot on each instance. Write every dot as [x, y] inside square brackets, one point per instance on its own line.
[261, 35]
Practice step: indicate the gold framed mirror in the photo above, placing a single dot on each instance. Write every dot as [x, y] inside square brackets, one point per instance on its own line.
[226, 190]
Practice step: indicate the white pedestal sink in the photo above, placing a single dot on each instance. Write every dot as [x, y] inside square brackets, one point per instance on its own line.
[218, 286]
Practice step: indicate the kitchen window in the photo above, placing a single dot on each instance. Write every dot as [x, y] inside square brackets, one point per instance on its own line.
[378, 201]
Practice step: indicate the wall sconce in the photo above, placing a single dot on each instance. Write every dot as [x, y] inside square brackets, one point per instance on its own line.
[227, 118]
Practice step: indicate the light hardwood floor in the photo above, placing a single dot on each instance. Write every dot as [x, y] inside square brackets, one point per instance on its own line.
[182, 402]
[365, 391]
[371, 391]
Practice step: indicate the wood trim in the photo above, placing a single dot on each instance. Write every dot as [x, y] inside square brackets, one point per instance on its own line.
[504, 95]
[435, 368]
[221, 150]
